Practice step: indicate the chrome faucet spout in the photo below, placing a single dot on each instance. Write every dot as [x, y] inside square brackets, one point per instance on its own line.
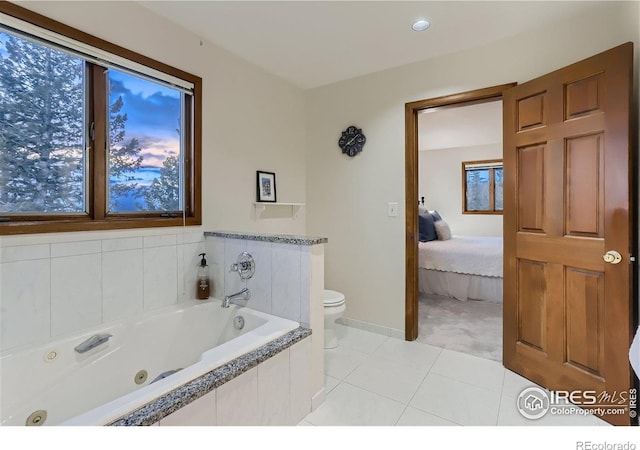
[243, 294]
[92, 342]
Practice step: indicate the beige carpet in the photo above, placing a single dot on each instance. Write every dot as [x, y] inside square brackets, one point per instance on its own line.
[473, 327]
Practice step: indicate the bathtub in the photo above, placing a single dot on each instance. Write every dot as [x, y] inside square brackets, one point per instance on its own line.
[100, 386]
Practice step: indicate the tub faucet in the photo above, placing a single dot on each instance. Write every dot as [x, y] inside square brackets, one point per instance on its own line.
[92, 342]
[244, 294]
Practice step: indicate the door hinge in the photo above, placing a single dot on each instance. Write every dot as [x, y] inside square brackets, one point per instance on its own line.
[92, 131]
[632, 259]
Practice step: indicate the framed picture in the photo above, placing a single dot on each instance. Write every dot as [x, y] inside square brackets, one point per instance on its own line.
[266, 186]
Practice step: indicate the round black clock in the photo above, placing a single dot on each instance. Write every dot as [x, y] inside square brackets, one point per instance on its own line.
[352, 141]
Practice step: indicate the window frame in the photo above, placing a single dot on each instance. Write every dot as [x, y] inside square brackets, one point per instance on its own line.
[492, 199]
[96, 217]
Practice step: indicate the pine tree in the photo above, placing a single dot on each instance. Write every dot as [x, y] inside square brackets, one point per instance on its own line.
[164, 194]
[42, 125]
[124, 160]
[41, 129]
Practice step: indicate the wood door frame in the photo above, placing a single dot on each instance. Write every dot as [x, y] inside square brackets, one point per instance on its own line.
[411, 111]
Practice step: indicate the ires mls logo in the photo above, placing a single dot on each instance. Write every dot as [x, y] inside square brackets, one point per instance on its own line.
[535, 402]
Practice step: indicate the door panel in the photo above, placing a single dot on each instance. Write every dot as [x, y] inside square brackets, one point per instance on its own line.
[531, 111]
[531, 188]
[585, 319]
[584, 96]
[532, 323]
[568, 314]
[584, 185]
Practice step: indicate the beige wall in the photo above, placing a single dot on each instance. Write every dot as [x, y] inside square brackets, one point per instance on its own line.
[347, 197]
[251, 120]
[439, 181]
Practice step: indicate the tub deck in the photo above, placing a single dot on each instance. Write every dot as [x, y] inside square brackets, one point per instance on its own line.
[183, 395]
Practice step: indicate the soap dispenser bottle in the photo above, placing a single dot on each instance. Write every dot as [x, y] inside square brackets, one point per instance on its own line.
[202, 290]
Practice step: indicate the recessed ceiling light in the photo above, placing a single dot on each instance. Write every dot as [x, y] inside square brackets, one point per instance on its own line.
[420, 25]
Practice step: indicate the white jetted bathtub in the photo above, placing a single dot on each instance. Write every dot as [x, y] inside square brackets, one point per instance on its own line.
[172, 346]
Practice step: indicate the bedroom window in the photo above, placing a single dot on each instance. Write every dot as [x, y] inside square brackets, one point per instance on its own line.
[92, 136]
[482, 187]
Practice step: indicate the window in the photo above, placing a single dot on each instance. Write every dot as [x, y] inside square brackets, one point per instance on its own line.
[482, 187]
[92, 136]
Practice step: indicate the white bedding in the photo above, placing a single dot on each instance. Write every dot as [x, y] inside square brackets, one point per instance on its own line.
[460, 285]
[471, 255]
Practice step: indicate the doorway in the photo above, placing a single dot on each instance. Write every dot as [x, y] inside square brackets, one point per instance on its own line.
[461, 265]
[412, 110]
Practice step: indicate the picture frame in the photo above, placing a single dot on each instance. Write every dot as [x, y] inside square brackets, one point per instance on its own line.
[265, 186]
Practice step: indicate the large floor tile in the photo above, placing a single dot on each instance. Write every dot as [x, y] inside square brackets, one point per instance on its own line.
[329, 383]
[456, 401]
[415, 354]
[509, 415]
[360, 340]
[304, 423]
[398, 381]
[352, 406]
[415, 417]
[340, 362]
[514, 384]
[470, 369]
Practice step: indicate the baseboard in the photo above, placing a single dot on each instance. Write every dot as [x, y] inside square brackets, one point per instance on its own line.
[317, 399]
[372, 327]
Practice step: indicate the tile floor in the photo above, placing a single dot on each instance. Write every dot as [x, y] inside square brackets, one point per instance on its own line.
[376, 380]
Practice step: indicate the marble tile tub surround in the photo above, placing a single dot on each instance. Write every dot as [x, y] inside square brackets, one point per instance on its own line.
[288, 282]
[55, 285]
[281, 283]
[277, 238]
[268, 386]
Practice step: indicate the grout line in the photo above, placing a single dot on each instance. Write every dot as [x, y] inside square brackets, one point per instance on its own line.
[504, 378]
[101, 286]
[400, 416]
[423, 380]
[50, 293]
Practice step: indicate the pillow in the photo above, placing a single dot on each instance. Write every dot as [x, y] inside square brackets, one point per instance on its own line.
[426, 228]
[435, 215]
[442, 230]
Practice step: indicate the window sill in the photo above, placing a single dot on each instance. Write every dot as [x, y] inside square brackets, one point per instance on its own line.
[489, 213]
[60, 226]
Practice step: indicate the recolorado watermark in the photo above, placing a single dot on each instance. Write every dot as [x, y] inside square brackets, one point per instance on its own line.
[589, 445]
[535, 403]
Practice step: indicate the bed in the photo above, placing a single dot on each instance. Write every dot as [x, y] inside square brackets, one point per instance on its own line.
[463, 267]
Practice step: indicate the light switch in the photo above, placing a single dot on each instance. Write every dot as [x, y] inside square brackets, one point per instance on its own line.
[393, 209]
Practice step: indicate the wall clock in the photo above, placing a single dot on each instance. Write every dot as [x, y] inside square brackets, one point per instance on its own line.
[352, 141]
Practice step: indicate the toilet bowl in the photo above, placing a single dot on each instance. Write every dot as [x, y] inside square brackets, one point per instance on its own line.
[334, 306]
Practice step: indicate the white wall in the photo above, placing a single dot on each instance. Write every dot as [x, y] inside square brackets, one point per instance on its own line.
[251, 121]
[440, 182]
[54, 286]
[347, 197]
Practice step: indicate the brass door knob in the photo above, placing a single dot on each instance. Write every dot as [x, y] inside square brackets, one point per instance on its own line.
[612, 257]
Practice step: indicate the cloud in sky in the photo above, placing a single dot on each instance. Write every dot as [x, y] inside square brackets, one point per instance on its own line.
[153, 113]
[155, 151]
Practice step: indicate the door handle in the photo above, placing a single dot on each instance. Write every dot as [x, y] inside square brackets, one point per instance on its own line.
[612, 257]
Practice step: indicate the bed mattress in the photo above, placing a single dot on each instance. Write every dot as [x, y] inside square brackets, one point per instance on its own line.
[470, 255]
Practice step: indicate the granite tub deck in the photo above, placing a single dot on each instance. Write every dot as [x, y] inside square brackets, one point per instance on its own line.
[182, 396]
[277, 238]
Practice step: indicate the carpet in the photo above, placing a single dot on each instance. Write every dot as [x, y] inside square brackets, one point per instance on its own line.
[473, 326]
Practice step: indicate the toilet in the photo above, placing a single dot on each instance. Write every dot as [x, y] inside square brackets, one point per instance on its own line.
[334, 306]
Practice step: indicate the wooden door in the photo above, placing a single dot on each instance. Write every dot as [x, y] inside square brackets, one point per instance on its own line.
[568, 314]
